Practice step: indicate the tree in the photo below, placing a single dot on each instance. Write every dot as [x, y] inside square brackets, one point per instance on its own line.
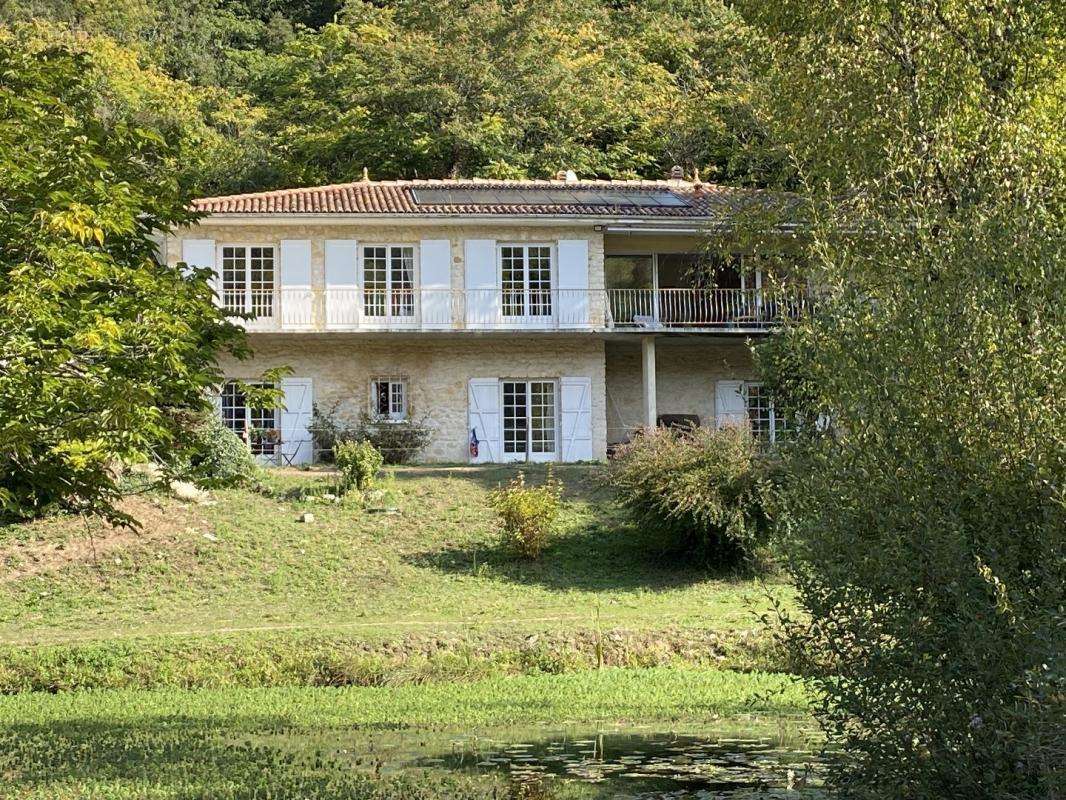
[929, 517]
[100, 345]
[447, 88]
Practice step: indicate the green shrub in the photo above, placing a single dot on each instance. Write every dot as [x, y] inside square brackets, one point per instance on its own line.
[528, 514]
[359, 463]
[708, 489]
[215, 456]
[399, 441]
[326, 432]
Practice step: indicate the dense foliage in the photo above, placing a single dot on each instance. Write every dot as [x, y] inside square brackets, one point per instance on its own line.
[269, 94]
[359, 464]
[528, 514]
[98, 342]
[211, 455]
[398, 441]
[709, 490]
[930, 520]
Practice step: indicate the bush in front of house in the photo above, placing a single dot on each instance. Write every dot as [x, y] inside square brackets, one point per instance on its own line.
[359, 463]
[214, 456]
[528, 514]
[326, 431]
[399, 441]
[709, 490]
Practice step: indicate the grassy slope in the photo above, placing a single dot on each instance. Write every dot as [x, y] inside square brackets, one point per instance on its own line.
[435, 565]
[297, 742]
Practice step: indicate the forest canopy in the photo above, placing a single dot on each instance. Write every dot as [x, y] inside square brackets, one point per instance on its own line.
[258, 94]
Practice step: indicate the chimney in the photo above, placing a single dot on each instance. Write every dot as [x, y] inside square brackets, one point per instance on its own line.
[677, 173]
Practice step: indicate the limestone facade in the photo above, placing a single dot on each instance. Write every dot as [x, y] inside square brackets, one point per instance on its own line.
[437, 370]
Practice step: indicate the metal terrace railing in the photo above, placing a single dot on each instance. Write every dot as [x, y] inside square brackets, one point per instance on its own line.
[691, 308]
[371, 309]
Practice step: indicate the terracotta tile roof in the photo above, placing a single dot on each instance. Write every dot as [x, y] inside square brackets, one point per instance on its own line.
[686, 199]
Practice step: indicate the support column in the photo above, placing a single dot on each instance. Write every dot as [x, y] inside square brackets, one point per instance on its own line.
[647, 350]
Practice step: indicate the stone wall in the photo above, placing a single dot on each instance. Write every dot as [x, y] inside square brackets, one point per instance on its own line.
[377, 233]
[437, 368]
[686, 371]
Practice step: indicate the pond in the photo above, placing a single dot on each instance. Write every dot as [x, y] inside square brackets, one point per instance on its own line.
[626, 763]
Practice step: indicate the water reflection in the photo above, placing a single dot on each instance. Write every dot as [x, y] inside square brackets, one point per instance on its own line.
[623, 764]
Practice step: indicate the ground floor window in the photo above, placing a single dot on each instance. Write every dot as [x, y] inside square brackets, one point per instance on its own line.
[257, 426]
[388, 398]
[766, 424]
[529, 417]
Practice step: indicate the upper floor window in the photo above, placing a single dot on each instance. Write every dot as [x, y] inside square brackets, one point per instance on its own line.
[248, 279]
[388, 281]
[256, 426]
[388, 398]
[525, 279]
[766, 424]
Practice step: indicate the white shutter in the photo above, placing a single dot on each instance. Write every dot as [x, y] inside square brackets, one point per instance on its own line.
[201, 253]
[296, 443]
[484, 419]
[573, 283]
[729, 404]
[295, 280]
[436, 280]
[575, 409]
[482, 285]
[342, 283]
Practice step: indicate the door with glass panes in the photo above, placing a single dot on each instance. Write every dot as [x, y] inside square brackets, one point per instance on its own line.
[388, 282]
[530, 430]
[248, 280]
[525, 282]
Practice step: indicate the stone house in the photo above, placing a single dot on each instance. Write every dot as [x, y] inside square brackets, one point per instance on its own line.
[523, 320]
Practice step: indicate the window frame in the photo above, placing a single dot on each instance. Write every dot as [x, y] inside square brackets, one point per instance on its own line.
[775, 425]
[393, 381]
[250, 303]
[530, 453]
[539, 297]
[392, 299]
[269, 449]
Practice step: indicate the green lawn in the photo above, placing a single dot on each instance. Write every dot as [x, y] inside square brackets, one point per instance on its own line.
[246, 564]
[610, 696]
[410, 606]
[304, 742]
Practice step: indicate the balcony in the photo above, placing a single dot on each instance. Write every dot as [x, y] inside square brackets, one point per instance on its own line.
[354, 309]
[702, 309]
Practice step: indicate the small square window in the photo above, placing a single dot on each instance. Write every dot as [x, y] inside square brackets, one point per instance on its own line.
[388, 398]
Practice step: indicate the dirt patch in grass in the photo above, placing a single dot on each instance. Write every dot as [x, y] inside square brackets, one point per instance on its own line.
[38, 548]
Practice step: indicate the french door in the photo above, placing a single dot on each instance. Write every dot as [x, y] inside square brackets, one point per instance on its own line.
[530, 432]
[248, 280]
[525, 280]
[258, 427]
[388, 282]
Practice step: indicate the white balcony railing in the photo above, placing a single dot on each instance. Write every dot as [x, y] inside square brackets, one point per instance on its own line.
[703, 308]
[355, 309]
